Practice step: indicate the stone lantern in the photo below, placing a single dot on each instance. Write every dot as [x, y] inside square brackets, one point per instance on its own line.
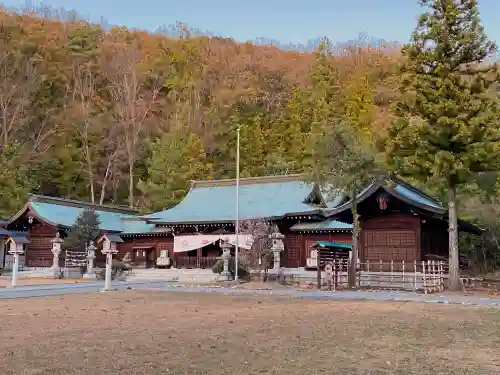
[16, 248]
[225, 275]
[108, 249]
[277, 247]
[90, 273]
[56, 250]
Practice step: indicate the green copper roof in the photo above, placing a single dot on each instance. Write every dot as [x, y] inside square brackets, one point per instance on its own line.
[64, 212]
[321, 225]
[136, 226]
[67, 215]
[263, 197]
[332, 245]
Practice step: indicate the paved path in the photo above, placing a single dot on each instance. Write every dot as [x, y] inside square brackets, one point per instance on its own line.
[62, 289]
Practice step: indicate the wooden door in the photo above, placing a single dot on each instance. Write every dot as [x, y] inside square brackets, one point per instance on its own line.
[139, 257]
[150, 258]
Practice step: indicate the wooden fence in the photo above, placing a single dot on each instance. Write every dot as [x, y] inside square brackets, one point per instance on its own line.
[425, 276]
[194, 262]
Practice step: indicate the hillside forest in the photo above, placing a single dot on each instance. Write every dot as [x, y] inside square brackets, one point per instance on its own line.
[128, 117]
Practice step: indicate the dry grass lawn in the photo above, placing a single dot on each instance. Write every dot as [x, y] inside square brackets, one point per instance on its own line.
[169, 333]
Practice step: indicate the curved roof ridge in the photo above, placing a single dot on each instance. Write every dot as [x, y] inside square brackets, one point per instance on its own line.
[80, 204]
[248, 180]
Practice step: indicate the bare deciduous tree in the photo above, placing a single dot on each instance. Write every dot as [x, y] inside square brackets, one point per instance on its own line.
[134, 94]
[260, 255]
[83, 91]
[17, 83]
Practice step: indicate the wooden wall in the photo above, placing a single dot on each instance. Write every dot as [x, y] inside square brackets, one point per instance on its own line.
[158, 244]
[298, 246]
[391, 237]
[395, 237]
[38, 253]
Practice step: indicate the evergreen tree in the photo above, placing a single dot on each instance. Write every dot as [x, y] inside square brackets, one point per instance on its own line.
[15, 180]
[447, 117]
[85, 229]
[177, 158]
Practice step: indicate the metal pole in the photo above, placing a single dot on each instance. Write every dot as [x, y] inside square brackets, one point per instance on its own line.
[237, 225]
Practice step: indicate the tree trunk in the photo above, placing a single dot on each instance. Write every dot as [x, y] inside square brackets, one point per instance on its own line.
[355, 241]
[90, 173]
[105, 182]
[454, 273]
[131, 184]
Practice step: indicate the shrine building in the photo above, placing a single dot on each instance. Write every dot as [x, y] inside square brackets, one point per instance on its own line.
[398, 222]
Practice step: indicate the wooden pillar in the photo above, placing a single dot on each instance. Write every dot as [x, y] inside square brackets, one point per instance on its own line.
[199, 254]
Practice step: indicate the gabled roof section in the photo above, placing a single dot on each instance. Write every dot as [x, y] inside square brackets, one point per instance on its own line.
[406, 193]
[399, 189]
[64, 212]
[269, 197]
[111, 238]
[17, 239]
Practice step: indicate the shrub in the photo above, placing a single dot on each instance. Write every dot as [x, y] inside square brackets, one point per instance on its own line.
[243, 272]
[117, 269]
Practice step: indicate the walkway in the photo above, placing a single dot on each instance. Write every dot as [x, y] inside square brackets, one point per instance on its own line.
[62, 289]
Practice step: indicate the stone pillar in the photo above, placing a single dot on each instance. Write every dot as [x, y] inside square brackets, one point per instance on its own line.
[15, 250]
[108, 250]
[226, 255]
[277, 247]
[90, 273]
[56, 250]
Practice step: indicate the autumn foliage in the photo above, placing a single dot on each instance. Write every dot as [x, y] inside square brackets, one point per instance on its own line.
[114, 115]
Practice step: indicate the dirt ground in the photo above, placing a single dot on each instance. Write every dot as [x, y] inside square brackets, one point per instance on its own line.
[5, 281]
[151, 333]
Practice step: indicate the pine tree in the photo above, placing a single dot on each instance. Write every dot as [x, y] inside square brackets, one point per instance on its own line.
[85, 229]
[447, 117]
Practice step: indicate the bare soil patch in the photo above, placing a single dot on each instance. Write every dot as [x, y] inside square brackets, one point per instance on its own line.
[172, 333]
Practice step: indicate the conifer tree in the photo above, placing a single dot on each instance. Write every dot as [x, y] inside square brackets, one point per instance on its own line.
[447, 116]
[85, 229]
[16, 180]
[176, 159]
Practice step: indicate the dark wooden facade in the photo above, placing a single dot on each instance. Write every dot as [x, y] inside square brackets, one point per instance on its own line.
[390, 236]
[298, 245]
[393, 227]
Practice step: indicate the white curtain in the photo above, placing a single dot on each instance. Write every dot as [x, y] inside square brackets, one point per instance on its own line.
[193, 242]
[245, 241]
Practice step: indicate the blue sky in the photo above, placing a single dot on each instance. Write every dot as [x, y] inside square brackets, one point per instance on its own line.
[285, 20]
